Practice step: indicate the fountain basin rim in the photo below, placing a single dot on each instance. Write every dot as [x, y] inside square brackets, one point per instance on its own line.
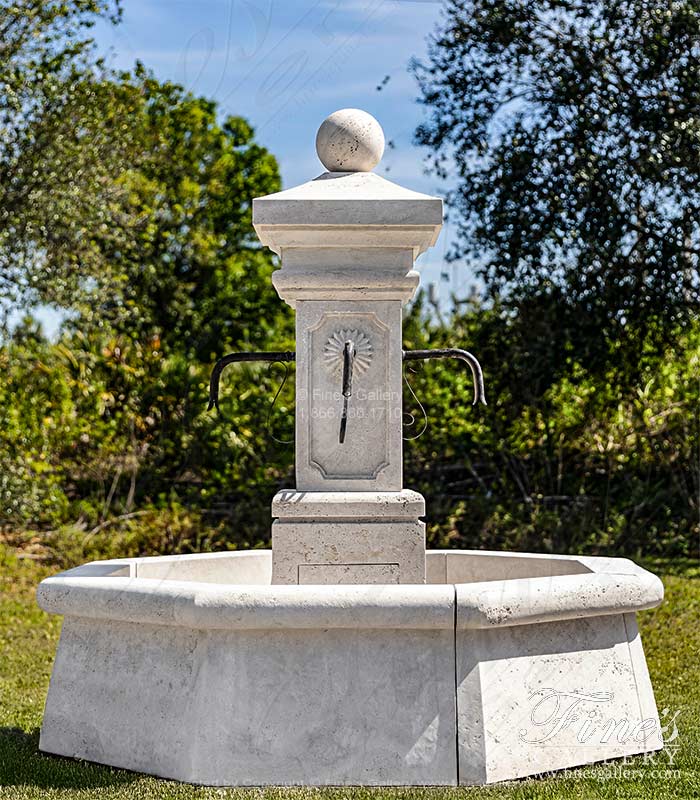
[609, 586]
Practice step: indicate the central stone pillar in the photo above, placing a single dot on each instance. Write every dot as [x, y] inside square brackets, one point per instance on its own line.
[348, 241]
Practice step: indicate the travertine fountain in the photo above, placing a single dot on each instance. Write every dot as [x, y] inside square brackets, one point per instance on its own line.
[348, 654]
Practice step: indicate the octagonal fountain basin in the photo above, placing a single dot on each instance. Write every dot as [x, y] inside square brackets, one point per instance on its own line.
[503, 665]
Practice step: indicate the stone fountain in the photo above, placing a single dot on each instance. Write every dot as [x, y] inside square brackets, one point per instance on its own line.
[348, 654]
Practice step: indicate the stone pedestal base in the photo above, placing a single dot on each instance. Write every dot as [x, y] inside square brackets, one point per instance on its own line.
[348, 537]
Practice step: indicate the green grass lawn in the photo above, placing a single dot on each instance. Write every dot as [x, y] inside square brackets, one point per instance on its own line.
[28, 638]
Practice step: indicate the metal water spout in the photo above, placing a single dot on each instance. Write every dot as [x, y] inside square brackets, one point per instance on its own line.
[277, 356]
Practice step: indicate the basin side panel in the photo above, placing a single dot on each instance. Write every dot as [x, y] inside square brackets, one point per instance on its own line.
[120, 695]
[541, 697]
[249, 707]
[328, 707]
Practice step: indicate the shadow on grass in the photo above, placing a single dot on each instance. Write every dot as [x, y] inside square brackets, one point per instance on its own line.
[22, 764]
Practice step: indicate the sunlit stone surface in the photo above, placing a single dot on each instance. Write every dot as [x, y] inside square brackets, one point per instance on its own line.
[197, 668]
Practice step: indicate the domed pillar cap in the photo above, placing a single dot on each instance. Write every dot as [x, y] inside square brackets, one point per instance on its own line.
[348, 230]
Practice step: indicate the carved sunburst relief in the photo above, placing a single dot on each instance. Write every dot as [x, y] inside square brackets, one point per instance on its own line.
[333, 349]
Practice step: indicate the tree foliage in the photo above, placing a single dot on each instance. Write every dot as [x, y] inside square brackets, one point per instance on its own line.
[579, 462]
[185, 266]
[96, 426]
[64, 138]
[572, 129]
[127, 201]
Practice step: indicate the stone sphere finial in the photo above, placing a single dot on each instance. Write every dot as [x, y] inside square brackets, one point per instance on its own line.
[350, 140]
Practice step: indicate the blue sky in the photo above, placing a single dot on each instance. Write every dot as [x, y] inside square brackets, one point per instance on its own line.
[285, 66]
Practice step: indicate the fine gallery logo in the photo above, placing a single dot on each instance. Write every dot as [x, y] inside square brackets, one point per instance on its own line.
[554, 711]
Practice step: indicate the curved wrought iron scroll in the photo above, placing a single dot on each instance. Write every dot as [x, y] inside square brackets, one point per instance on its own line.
[347, 378]
[412, 420]
[462, 355]
[233, 358]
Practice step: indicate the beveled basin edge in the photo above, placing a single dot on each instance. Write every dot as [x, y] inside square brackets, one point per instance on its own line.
[112, 590]
[254, 607]
[525, 601]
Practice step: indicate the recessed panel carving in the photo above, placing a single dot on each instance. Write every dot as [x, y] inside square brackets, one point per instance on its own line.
[348, 436]
[365, 450]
